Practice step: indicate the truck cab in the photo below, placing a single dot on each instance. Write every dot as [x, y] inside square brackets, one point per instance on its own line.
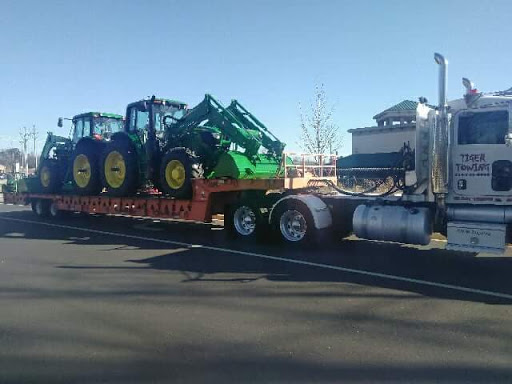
[480, 153]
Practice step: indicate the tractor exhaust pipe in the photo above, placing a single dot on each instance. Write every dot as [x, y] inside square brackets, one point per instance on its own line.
[440, 137]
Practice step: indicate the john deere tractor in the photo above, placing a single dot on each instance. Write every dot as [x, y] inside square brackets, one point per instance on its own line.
[72, 164]
[168, 145]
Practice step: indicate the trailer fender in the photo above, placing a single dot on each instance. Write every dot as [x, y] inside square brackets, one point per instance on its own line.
[320, 212]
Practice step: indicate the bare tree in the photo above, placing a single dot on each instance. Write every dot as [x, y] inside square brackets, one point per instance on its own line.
[24, 138]
[319, 134]
[34, 134]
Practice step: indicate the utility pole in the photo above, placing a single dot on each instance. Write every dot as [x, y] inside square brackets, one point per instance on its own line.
[24, 137]
[34, 133]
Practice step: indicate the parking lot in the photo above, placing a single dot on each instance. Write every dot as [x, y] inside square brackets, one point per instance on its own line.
[120, 300]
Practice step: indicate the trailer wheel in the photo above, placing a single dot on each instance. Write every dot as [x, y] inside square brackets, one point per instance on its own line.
[86, 173]
[41, 207]
[49, 176]
[119, 168]
[54, 211]
[244, 220]
[294, 222]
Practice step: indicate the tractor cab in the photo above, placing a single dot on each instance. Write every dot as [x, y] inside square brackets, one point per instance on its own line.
[148, 118]
[97, 125]
[74, 162]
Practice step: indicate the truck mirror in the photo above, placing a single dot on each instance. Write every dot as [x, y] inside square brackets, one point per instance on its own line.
[59, 122]
[508, 139]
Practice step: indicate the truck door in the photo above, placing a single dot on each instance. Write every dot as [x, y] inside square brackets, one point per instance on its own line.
[481, 162]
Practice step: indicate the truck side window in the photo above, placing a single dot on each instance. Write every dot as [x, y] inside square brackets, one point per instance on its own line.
[483, 128]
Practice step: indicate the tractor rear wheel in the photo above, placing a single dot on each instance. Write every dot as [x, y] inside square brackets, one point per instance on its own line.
[177, 169]
[120, 170]
[86, 172]
[49, 176]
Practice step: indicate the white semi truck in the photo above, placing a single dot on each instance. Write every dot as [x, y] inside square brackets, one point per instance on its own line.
[462, 180]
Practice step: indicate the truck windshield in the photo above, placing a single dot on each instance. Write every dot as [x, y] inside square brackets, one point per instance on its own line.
[160, 111]
[107, 126]
[483, 128]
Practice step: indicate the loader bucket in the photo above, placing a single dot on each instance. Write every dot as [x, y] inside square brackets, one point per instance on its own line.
[236, 165]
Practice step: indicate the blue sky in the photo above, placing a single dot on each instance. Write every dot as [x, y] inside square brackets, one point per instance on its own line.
[60, 58]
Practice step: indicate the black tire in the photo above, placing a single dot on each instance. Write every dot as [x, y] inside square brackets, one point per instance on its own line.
[293, 223]
[41, 207]
[54, 212]
[180, 162]
[48, 177]
[119, 168]
[86, 176]
[245, 220]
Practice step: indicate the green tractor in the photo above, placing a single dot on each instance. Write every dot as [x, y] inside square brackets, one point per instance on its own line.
[168, 145]
[72, 164]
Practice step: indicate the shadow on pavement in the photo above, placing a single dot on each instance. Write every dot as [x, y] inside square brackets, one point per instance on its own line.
[206, 264]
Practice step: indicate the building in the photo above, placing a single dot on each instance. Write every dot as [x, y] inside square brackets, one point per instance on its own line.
[395, 126]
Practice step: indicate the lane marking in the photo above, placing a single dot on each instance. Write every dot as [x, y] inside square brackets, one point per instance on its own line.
[275, 258]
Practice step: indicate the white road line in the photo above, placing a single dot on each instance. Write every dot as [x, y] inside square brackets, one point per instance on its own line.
[276, 258]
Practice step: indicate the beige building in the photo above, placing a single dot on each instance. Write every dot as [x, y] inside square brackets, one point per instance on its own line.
[395, 126]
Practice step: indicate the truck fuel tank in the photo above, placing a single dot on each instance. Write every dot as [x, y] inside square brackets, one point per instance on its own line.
[393, 223]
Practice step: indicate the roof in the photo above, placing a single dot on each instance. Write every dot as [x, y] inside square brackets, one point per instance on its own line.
[98, 114]
[370, 160]
[403, 106]
[385, 128]
[159, 100]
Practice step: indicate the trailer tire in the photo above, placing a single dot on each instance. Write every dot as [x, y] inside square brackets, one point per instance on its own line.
[41, 207]
[49, 176]
[177, 169]
[119, 168]
[55, 212]
[86, 170]
[244, 220]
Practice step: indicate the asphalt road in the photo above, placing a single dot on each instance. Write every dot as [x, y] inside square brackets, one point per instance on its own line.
[91, 299]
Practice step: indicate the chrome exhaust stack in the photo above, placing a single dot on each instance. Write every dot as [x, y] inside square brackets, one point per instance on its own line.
[440, 139]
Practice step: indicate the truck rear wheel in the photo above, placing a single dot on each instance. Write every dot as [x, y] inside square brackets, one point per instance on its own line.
[294, 223]
[86, 173]
[49, 176]
[177, 170]
[120, 170]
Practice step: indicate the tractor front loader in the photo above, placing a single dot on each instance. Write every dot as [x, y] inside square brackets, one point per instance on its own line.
[168, 145]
